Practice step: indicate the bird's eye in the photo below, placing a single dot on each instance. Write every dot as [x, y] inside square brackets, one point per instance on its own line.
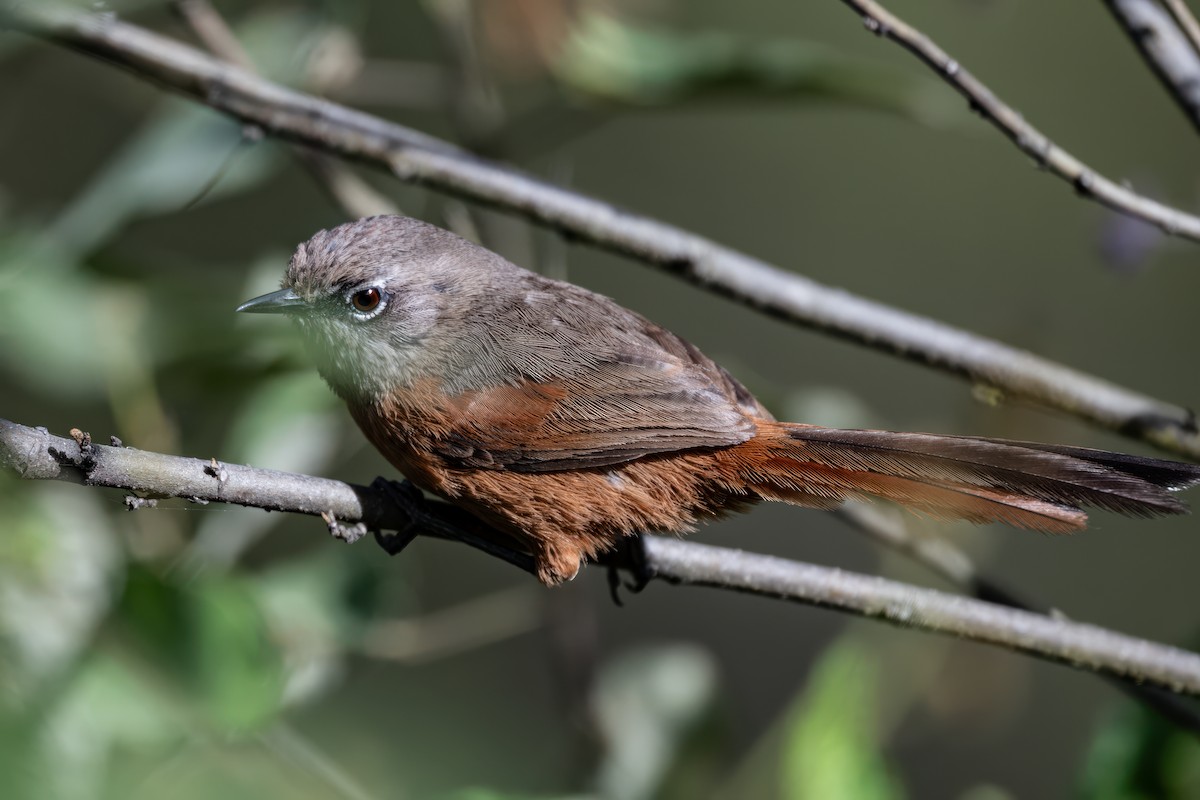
[366, 301]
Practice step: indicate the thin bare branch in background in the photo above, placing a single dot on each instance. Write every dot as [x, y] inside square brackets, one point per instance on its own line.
[950, 562]
[355, 196]
[1169, 44]
[1086, 181]
[1186, 21]
[1095, 648]
[472, 624]
[424, 159]
[393, 82]
[36, 454]
[298, 751]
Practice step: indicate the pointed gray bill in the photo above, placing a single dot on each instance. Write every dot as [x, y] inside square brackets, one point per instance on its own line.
[285, 301]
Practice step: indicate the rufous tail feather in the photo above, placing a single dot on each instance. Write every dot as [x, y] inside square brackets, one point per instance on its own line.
[1025, 484]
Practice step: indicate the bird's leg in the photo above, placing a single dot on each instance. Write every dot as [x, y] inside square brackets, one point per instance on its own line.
[443, 522]
[408, 498]
[632, 556]
[639, 565]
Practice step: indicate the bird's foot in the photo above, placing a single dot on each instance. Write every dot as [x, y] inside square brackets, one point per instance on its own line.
[632, 558]
[442, 522]
[408, 498]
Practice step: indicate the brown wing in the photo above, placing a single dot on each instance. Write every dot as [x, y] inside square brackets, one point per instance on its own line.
[583, 382]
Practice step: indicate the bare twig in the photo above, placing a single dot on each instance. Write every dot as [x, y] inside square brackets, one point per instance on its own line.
[469, 625]
[301, 754]
[397, 83]
[352, 193]
[211, 29]
[1186, 21]
[948, 561]
[1170, 46]
[37, 454]
[1086, 181]
[1083, 646]
[421, 158]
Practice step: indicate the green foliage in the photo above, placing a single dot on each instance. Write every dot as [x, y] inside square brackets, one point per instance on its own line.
[832, 750]
[42, 353]
[617, 61]
[209, 634]
[1139, 755]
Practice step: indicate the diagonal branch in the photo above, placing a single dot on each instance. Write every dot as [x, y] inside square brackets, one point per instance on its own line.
[1081, 645]
[420, 158]
[1171, 46]
[1086, 181]
[351, 193]
[943, 558]
[1186, 21]
[36, 454]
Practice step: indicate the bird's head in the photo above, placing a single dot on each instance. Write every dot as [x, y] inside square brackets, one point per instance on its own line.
[371, 298]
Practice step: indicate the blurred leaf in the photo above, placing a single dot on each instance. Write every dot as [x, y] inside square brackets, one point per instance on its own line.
[115, 703]
[1141, 755]
[285, 42]
[309, 608]
[187, 150]
[831, 750]
[69, 333]
[240, 668]
[109, 705]
[285, 424]
[646, 703]
[59, 562]
[209, 635]
[609, 59]
[92, 343]
[41, 347]
[59, 568]
[175, 158]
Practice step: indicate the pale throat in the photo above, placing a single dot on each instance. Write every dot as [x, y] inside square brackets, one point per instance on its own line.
[360, 365]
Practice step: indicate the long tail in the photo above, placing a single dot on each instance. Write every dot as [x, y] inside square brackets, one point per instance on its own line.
[1025, 484]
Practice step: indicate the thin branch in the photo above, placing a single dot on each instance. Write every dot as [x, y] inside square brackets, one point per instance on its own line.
[1077, 644]
[214, 33]
[1086, 181]
[414, 85]
[35, 453]
[355, 196]
[1172, 50]
[948, 561]
[1186, 21]
[469, 625]
[420, 158]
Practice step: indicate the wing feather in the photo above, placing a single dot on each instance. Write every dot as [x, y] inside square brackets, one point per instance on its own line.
[585, 383]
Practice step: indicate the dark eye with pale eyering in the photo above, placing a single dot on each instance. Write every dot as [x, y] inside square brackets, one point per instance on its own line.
[365, 301]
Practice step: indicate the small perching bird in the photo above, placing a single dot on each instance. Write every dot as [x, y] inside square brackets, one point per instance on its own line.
[569, 422]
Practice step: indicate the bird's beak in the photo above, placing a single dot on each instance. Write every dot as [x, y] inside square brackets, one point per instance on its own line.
[285, 301]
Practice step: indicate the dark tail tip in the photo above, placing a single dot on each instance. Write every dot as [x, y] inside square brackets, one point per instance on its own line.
[1173, 475]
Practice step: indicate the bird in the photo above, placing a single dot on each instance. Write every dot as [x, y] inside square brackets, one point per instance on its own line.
[567, 422]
